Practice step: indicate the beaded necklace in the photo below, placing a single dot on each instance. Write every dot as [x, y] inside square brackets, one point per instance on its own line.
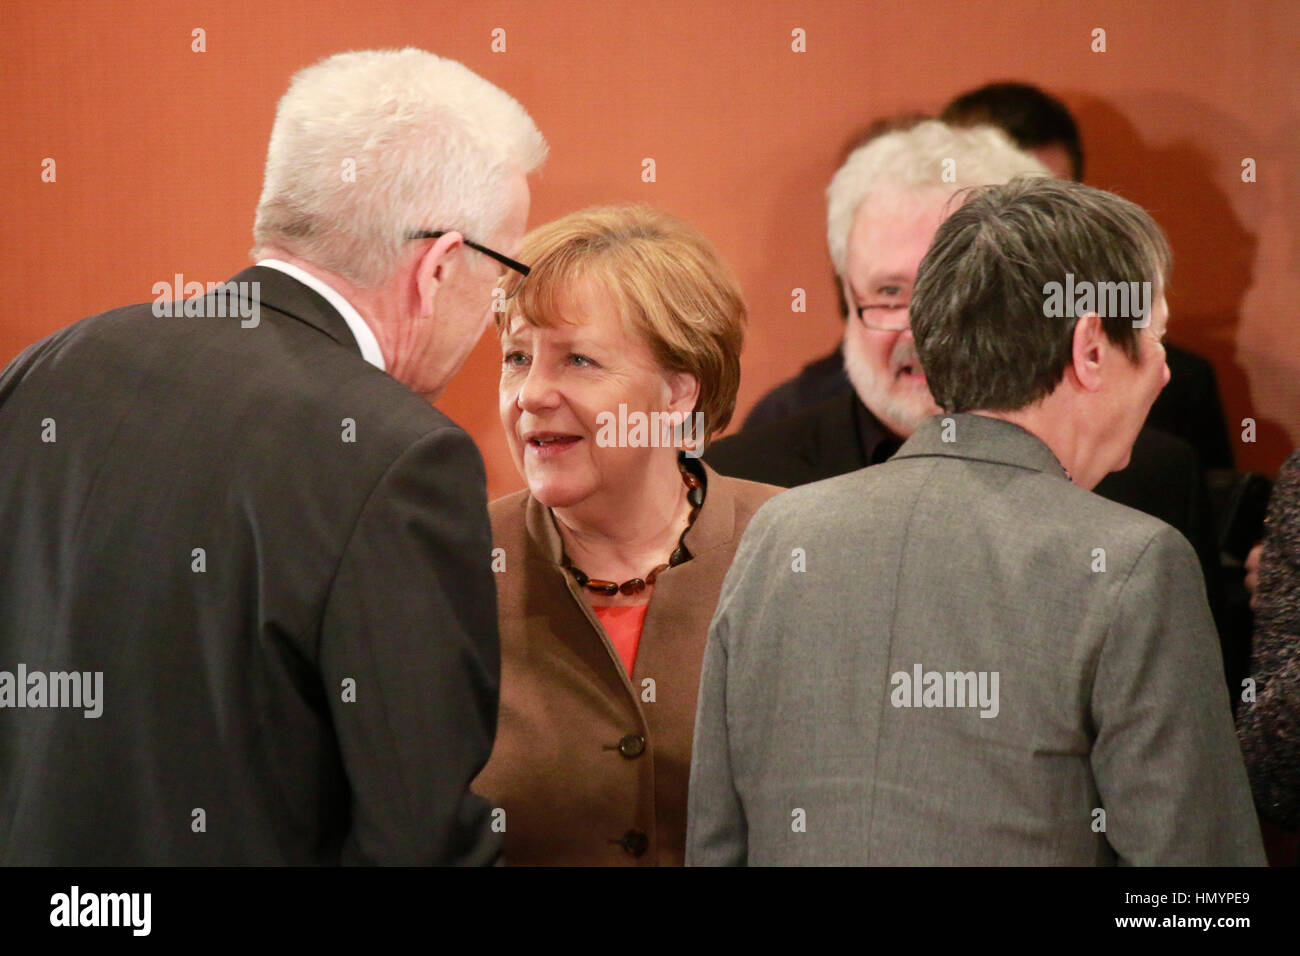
[695, 496]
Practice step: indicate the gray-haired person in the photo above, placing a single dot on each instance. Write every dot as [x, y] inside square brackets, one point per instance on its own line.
[1015, 670]
[240, 525]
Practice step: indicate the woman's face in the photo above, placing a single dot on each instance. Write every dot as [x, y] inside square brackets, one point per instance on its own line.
[561, 386]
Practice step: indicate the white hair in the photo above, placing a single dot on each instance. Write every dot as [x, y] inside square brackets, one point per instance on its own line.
[929, 155]
[369, 146]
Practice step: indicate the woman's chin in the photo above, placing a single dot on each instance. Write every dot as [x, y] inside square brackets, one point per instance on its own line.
[557, 494]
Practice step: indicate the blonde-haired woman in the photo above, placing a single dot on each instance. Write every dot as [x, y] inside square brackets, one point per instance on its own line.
[615, 552]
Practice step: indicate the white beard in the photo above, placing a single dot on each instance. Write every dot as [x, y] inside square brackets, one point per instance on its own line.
[901, 410]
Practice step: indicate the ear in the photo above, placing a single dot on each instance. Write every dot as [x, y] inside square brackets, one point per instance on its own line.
[847, 297]
[1087, 352]
[684, 392]
[431, 269]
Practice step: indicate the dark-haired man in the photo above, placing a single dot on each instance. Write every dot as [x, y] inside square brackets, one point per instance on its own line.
[1038, 122]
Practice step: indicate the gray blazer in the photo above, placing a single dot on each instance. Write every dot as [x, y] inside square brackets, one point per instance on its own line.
[960, 657]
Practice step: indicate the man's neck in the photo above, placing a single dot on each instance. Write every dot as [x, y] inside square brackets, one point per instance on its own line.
[1063, 429]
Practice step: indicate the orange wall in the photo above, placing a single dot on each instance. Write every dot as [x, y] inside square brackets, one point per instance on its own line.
[159, 148]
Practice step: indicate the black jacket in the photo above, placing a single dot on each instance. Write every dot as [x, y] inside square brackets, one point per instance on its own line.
[1188, 407]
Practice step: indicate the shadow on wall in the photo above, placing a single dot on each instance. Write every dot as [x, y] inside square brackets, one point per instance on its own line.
[1214, 252]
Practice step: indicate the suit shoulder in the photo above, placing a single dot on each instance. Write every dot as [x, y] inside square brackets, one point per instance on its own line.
[507, 512]
[748, 496]
[1121, 529]
[760, 436]
[511, 505]
[789, 451]
[831, 500]
[307, 368]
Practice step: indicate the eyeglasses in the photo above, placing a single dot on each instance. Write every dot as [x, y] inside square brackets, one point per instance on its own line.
[519, 267]
[897, 326]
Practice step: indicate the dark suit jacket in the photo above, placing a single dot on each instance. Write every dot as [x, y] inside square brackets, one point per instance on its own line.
[1188, 407]
[591, 765]
[318, 683]
[820, 379]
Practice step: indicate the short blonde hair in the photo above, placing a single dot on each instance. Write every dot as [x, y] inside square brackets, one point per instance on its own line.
[666, 280]
[370, 145]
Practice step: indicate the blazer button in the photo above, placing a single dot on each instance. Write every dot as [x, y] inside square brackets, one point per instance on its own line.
[635, 842]
[633, 745]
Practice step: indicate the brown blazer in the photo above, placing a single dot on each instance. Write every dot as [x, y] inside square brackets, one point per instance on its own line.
[590, 766]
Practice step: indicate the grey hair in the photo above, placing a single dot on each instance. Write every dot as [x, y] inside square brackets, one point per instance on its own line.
[929, 155]
[983, 330]
[370, 145]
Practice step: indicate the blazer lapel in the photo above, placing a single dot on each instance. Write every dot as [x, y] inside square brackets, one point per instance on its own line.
[714, 529]
[539, 525]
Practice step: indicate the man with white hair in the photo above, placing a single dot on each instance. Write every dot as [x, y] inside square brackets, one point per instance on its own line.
[241, 542]
[884, 206]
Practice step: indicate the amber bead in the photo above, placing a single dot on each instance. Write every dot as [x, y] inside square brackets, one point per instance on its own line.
[695, 497]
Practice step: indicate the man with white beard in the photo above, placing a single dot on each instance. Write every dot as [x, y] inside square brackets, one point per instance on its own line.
[884, 206]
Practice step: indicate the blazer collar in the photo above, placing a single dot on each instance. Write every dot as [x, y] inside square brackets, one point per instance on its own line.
[980, 438]
[714, 526]
[287, 295]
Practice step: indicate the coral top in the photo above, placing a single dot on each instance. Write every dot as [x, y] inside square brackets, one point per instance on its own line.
[623, 625]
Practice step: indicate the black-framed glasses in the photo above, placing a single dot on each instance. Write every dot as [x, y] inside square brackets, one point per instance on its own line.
[900, 325]
[519, 267]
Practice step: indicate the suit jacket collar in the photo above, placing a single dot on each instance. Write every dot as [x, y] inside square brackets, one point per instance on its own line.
[980, 438]
[287, 295]
[714, 526]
